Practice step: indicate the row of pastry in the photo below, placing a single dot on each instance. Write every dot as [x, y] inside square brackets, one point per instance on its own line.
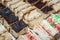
[46, 6]
[12, 22]
[48, 29]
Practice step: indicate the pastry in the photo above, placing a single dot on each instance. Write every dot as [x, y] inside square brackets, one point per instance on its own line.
[17, 5]
[19, 26]
[53, 2]
[11, 2]
[54, 21]
[56, 7]
[47, 9]
[28, 9]
[51, 30]
[40, 4]
[31, 36]
[6, 11]
[32, 15]
[41, 33]
[21, 7]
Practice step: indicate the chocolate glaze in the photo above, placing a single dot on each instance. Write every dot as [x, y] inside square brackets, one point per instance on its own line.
[47, 9]
[8, 15]
[18, 26]
[6, 11]
[40, 4]
[11, 18]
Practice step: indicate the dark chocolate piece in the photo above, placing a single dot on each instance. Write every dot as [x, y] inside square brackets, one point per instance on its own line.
[32, 1]
[19, 26]
[6, 11]
[40, 4]
[11, 18]
[47, 9]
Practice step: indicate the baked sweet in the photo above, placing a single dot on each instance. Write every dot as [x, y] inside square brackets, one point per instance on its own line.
[56, 7]
[47, 9]
[40, 4]
[41, 33]
[51, 30]
[34, 14]
[19, 26]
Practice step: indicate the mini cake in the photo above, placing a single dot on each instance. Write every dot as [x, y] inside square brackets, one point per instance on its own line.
[56, 7]
[28, 9]
[54, 21]
[17, 5]
[40, 4]
[41, 33]
[53, 2]
[47, 9]
[32, 15]
[25, 11]
[18, 28]
[10, 2]
[11, 19]
[31, 35]
[51, 30]
[21, 7]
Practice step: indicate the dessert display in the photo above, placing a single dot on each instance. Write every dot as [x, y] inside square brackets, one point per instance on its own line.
[30, 20]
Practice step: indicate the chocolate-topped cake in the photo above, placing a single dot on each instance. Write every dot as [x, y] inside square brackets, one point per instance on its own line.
[40, 4]
[6, 11]
[19, 26]
[47, 9]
